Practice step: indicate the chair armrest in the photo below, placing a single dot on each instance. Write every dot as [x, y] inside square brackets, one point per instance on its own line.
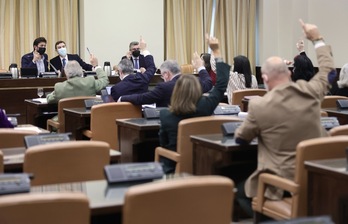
[276, 181]
[160, 151]
[52, 123]
[87, 133]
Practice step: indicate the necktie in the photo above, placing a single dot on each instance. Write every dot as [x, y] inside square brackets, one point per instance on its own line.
[136, 63]
[64, 62]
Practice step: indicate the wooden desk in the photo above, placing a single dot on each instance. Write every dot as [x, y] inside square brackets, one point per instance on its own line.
[342, 115]
[37, 113]
[137, 138]
[14, 158]
[218, 154]
[327, 189]
[77, 120]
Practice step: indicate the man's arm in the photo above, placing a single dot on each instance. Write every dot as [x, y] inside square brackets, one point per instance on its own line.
[84, 65]
[248, 130]
[27, 61]
[103, 79]
[146, 98]
[151, 68]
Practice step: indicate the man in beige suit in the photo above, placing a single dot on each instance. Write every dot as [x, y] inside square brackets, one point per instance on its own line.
[286, 115]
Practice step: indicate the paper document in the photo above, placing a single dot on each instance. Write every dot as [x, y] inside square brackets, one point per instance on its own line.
[40, 100]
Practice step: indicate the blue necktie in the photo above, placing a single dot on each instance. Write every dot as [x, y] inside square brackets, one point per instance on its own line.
[136, 64]
[64, 60]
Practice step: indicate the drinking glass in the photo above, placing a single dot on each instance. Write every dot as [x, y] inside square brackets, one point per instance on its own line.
[40, 92]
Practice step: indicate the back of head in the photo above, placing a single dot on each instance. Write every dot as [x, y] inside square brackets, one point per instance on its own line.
[343, 80]
[125, 66]
[303, 68]
[186, 94]
[73, 69]
[274, 71]
[171, 66]
[242, 66]
[206, 58]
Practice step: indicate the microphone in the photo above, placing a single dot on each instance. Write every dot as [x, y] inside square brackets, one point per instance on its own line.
[54, 68]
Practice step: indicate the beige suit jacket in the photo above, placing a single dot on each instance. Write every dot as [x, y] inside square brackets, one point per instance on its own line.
[285, 116]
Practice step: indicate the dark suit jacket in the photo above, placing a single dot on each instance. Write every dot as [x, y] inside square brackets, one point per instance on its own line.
[142, 62]
[57, 63]
[163, 91]
[135, 83]
[27, 61]
[205, 107]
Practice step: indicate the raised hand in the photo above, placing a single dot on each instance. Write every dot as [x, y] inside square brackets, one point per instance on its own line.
[197, 61]
[142, 43]
[311, 31]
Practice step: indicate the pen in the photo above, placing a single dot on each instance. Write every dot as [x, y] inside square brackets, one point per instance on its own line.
[88, 51]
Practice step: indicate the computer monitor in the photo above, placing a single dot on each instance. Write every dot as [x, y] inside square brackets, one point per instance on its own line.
[29, 72]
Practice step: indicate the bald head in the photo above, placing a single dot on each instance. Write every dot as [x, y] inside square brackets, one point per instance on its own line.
[274, 72]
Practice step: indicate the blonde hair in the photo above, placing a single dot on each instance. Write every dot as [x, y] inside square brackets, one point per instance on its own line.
[186, 93]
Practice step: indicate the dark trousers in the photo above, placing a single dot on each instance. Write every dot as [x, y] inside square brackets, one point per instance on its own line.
[243, 201]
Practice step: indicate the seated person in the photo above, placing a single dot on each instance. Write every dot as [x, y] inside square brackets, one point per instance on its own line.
[37, 58]
[206, 58]
[303, 67]
[76, 84]
[136, 55]
[4, 122]
[187, 101]
[63, 57]
[341, 86]
[279, 118]
[133, 83]
[241, 76]
[170, 73]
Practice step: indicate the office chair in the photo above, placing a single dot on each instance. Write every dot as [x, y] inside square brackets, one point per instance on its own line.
[53, 208]
[1, 162]
[103, 117]
[70, 102]
[238, 95]
[296, 206]
[339, 130]
[203, 200]
[11, 138]
[64, 162]
[330, 101]
[186, 128]
[187, 69]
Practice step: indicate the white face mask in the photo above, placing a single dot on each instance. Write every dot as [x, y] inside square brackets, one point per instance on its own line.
[62, 51]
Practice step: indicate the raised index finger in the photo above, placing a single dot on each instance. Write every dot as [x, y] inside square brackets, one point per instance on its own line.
[302, 23]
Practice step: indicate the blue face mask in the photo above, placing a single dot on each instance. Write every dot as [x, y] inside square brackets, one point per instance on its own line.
[62, 51]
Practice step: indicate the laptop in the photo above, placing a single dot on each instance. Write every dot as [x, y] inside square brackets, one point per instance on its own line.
[29, 72]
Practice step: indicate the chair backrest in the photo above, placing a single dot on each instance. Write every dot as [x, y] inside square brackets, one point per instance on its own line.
[10, 138]
[53, 208]
[313, 149]
[186, 69]
[203, 200]
[66, 162]
[1, 162]
[103, 117]
[196, 126]
[70, 102]
[330, 101]
[238, 95]
[339, 130]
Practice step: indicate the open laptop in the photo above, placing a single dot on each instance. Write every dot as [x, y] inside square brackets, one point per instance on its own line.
[29, 72]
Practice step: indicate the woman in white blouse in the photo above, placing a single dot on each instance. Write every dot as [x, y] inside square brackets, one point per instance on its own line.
[240, 77]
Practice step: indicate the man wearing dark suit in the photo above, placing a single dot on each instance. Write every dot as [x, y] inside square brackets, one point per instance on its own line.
[37, 58]
[62, 58]
[170, 72]
[134, 54]
[288, 114]
[133, 83]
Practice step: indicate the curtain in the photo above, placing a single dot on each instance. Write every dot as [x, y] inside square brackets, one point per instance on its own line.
[22, 21]
[187, 22]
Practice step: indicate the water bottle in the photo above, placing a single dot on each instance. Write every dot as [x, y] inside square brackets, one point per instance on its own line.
[107, 68]
[14, 70]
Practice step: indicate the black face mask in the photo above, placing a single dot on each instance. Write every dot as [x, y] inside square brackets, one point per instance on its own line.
[41, 50]
[136, 53]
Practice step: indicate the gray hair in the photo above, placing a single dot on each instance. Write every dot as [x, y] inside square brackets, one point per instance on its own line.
[126, 66]
[343, 80]
[133, 43]
[274, 66]
[171, 66]
[73, 69]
